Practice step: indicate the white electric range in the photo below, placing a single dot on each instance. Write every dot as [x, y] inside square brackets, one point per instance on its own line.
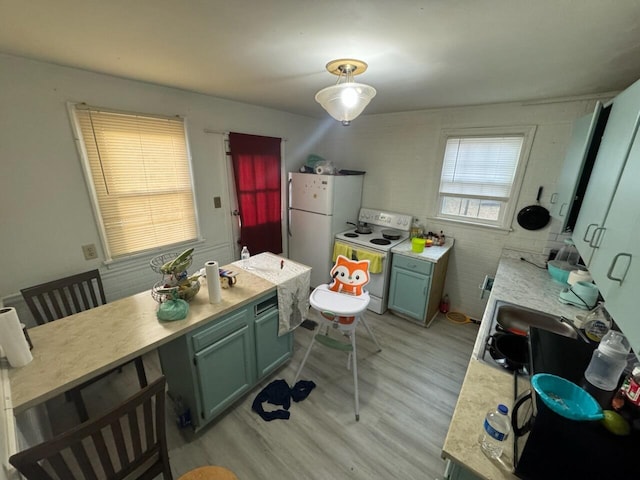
[388, 229]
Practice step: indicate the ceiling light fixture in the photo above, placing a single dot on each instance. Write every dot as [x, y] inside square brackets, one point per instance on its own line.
[345, 101]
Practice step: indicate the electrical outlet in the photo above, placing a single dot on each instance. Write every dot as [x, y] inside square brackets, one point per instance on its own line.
[89, 251]
[216, 202]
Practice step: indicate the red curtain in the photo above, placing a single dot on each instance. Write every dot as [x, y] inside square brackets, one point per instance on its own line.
[256, 167]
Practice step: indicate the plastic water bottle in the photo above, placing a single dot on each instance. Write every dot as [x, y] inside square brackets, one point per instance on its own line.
[244, 255]
[497, 426]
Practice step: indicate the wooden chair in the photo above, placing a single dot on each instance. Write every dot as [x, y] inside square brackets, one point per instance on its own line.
[60, 298]
[127, 442]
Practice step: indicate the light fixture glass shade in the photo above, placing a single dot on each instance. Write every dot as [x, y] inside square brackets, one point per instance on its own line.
[345, 101]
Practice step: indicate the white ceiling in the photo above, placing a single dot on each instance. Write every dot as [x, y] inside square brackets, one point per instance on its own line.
[421, 54]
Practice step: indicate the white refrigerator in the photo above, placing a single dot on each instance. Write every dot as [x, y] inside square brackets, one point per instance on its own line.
[319, 207]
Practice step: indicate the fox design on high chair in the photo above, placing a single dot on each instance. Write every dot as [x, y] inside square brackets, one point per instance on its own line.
[349, 276]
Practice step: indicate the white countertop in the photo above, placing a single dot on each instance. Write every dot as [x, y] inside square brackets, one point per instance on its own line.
[430, 254]
[485, 386]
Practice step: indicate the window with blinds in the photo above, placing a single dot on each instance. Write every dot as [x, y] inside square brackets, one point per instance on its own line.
[478, 177]
[139, 171]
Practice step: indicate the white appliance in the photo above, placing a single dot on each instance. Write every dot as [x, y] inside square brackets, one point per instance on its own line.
[395, 227]
[319, 207]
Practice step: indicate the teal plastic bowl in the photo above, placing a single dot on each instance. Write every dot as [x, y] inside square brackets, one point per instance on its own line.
[560, 271]
[566, 398]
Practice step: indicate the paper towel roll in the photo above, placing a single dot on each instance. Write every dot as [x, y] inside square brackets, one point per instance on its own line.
[213, 281]
[320, 170]
[12, 339]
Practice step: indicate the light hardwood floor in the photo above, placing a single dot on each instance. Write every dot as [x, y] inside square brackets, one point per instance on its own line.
[407, 396]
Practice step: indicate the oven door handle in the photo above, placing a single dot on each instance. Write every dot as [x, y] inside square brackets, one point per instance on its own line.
[517, 429]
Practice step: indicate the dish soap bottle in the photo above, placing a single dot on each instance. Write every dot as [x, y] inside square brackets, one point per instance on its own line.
[597, 323]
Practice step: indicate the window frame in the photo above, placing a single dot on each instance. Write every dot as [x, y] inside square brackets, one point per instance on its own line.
[72, 107]
[507, 215]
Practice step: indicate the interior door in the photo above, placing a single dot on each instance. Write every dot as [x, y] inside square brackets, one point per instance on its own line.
[233, 203]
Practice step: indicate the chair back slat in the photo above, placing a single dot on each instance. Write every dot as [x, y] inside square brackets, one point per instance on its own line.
[60, 466]
[115, 438]
[63, 297]
[135, 434]
[103, 453]
[80, 452]
[121, 446]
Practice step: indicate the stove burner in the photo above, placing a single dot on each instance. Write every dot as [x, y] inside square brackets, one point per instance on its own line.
[351, 235]
[380, 241]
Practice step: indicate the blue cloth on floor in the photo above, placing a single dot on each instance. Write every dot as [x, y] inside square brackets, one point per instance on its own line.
[279, 393]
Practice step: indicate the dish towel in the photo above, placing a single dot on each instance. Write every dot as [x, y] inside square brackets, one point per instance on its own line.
[293, 283]
[375, 259]
[340, 248]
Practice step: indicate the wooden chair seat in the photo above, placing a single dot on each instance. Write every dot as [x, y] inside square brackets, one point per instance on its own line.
[60, 298]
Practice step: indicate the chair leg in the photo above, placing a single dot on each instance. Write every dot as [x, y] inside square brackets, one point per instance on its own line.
[370, 332]
[306, 355]
[81, 408]
[355, 376]
[142, 376]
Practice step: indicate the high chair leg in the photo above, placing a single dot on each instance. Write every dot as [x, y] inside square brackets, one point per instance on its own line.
[306, 355]
[355, 377]
[370, 332]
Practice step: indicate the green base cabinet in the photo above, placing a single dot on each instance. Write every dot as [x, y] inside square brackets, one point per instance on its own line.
[212, 367]
[416, 287]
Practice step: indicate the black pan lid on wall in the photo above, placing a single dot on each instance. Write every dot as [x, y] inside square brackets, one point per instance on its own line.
[534, 217]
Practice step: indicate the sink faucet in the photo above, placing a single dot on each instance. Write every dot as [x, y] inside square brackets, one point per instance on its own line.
[576, 329]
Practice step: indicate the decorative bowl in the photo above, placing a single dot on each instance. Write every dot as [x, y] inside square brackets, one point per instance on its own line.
[158, 261]
[160, 293]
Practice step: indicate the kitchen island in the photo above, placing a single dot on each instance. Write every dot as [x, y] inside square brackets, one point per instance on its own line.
[71, 350]
[485, 386]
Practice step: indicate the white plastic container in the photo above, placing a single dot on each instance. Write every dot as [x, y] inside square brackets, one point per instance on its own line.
[496, 428]
[608, 361]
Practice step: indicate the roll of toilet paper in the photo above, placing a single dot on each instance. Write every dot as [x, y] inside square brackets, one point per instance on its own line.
[212, 270]
[12, 338]
[320, 170]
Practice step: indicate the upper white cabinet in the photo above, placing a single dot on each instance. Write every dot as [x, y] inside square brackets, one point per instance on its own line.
[577, 166]
[612, 155]
[615, 264]
[608, 228]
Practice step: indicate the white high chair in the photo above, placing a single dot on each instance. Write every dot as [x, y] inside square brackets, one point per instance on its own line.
[341, 312]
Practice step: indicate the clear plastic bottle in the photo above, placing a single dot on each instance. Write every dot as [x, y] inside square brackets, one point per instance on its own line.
[597, 323]
[497, 426]
[568, 253]
[608, 361]
[244, 255]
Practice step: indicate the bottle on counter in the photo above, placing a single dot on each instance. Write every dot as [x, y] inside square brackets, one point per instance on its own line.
[497, 426]
[597, 323]
[244, 256]
[608, 361]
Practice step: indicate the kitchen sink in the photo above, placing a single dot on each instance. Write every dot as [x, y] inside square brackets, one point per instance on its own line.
[517, 319]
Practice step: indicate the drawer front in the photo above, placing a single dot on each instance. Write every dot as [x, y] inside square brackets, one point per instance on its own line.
[219, 329]
[413, 264]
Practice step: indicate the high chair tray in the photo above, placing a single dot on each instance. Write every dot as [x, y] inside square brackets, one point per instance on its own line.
[339, 303]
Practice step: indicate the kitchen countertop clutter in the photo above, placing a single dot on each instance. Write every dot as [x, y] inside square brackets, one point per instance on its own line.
[485, 386]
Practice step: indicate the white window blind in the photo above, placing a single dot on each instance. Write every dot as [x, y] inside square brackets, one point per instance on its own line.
[479, 173]
[480, 167]
[140, 172]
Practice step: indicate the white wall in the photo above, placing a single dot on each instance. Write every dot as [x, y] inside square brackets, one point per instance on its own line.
[402, 156]
[45, 209]
[46, 214]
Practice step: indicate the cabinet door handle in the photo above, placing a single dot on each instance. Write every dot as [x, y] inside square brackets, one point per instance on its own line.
[554, 197]
[613, 264]
[595, 238]
[561, 207]
[424, 291]
[586, 232]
